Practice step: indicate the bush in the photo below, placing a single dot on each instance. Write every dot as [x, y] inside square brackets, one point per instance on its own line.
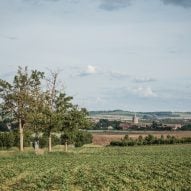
[83, 137]
[131, 143]
[118, 143]
[43, 140]
[126, 137]
[150, 140]
[6, 140]
[27, 138]
[123, 143]
[68, 137]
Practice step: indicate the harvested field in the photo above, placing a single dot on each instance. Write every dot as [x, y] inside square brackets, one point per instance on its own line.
[106, 137]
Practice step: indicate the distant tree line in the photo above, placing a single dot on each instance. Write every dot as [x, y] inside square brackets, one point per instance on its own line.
[186, 127]
[105, 123]
[150, 140]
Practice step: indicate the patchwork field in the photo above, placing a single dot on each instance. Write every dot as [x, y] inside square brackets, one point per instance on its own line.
[165, 168]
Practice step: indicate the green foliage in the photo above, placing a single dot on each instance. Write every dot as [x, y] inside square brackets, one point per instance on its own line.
[3, 126]
[83, 137]
[11, 138]
[78, 138]
[186, 127]
[27, 138]
[7, 140]
[150, 140]
[105, 123]
[43, 140]
[25, 101]
[17, 97]
[75, 119]
[68, 136]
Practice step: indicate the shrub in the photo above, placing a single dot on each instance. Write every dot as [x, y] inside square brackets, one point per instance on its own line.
[150, 139]
[43, 140]
[119, 143]
[140, 140]
[27, 138]
[83, 137]
[126, 137]
[131, 143]
[69, 137]
[6, 140]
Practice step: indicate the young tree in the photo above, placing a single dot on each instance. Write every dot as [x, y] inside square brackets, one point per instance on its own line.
[35, 115]
[56, 104]
[74, 120]
[16, 97]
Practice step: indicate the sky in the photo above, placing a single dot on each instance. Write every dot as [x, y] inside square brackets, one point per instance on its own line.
[111, 54]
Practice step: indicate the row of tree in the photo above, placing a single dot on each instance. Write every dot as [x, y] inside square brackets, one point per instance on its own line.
[150, 140]
[105, 123]
[11, 139]
[34, 101]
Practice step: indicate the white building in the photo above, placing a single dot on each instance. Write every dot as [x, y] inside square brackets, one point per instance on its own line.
[135, 119]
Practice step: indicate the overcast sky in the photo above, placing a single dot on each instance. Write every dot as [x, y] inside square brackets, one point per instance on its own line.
[112, 54]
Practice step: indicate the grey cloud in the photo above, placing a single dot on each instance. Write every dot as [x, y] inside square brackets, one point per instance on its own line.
[83, 74]
[182, 3]
[8, 37]
[172, 51]
[119, 75]
[39, 2]
[144, 79]
[111, 5]
[123, 75]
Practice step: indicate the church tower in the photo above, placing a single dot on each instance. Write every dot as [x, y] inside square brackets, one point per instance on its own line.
[135, 119]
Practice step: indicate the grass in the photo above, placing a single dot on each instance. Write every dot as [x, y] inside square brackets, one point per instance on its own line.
[165, 168]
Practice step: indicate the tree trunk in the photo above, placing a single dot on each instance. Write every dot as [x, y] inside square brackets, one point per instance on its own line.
[21, 135]
[66, 146]
[49, 143]
[36, 143]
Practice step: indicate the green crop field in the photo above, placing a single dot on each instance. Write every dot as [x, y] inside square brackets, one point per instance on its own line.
[166, 167]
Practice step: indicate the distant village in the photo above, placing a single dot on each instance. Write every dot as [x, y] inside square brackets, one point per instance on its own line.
[135, 124]
[143, 125]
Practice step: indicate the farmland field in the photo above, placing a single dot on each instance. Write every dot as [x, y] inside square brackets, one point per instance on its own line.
[166, 167]
[105, 137]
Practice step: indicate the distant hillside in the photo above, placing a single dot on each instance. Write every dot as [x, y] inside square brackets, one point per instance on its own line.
[141, 115]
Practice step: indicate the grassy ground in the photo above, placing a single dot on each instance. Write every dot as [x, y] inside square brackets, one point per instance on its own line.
[166, 168]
